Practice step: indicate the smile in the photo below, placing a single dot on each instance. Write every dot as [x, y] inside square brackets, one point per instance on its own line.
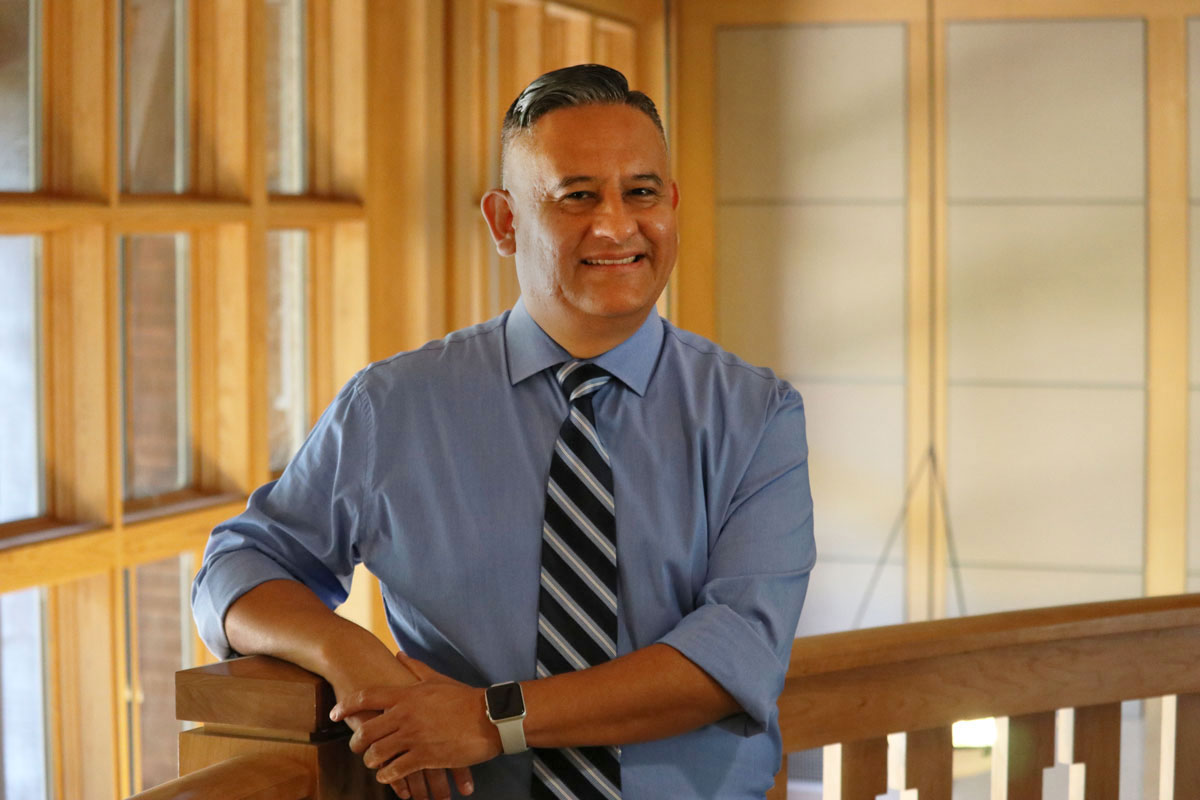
[604, 262]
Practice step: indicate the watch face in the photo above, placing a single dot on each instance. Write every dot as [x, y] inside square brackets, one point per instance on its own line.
[505, 701]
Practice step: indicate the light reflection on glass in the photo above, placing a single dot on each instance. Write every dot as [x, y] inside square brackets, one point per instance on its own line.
[159, 593]
[157, 449]
[287, 350]
[154, 95]
[23, 695]
[21, 489]
[20, 95]
[285, 109]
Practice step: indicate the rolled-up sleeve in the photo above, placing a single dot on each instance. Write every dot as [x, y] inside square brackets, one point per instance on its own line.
[742, 628]
[301, 527]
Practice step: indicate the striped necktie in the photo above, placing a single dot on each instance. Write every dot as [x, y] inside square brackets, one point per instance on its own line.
[577, 600]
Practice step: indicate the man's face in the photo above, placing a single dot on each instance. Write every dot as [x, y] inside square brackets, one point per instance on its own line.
[592, 217]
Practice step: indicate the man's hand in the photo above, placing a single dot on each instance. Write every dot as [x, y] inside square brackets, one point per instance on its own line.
[285, 619]
[437, 722]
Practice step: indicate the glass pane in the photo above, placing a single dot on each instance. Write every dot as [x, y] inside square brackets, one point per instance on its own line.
[285, 97]
[287, 329]
[157, 451]
[19, 95]
[164, 639]
[154, 74]
[21, 456]
[23, 695]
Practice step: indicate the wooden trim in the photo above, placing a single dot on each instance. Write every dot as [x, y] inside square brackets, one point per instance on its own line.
[1166, 307]
[80, 98]
[59, 560]
[940, 377]
[1023, 663]
[304, 212]
[796, 12]
[471, 129]
[920, 311]
[405, 183]
[947, 10]
[835, 652]
[175, 533]
[260, 776]
[695, 298]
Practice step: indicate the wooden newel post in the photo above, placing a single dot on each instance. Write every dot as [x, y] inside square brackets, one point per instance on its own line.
[260, 705]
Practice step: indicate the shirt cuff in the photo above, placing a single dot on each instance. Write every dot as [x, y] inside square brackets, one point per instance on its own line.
[724, 645]
[224, 579]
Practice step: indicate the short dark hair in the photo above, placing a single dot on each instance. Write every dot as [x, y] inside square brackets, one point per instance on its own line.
[580, 85]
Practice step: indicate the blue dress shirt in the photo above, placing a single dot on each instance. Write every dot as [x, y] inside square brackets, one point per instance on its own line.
[430, 468]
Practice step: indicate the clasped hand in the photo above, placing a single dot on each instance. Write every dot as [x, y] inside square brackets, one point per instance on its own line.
[432, 724]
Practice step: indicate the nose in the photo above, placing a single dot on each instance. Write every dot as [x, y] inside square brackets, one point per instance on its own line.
[613, 218]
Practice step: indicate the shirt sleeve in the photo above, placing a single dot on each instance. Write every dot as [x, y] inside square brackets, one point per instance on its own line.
[742, 628]
[302, 527]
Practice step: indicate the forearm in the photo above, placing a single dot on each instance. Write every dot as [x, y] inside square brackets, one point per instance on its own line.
[651, 693]
[286, 620]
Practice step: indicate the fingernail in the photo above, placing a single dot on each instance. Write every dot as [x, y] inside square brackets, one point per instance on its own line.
[469, 787]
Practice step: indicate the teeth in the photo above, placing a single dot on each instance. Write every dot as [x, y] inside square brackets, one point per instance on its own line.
[608, 261]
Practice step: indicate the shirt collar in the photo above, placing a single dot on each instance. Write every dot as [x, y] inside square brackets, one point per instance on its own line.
[531, 350]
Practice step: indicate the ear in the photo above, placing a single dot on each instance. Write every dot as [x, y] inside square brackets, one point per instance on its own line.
[497, 207]
[674, 194]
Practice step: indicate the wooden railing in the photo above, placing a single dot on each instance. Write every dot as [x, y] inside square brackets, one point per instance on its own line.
[850, 688]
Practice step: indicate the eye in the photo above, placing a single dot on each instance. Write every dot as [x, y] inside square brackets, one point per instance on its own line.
[579, 195]
[644, 192]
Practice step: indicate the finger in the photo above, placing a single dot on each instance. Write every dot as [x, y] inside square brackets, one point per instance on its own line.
[375, 729]
[463, 780]
[439, 786]
[401, 767]
[363, 700]
[416, 785]
[384, 750]
[420, 669]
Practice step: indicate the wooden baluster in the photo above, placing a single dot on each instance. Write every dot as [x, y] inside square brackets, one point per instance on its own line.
[779, 790]
[1098, 747]
[929, 763]
[1030, 750]
[1187, 746]
[864, 769]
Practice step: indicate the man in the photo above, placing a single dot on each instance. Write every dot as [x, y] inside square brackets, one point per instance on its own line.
[627, 559]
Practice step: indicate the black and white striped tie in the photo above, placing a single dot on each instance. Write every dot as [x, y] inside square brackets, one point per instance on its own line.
[577, 601]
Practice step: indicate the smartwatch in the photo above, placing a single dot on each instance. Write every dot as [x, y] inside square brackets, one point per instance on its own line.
[506, 710]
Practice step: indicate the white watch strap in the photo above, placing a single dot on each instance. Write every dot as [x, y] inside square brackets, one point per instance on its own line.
[512, 736]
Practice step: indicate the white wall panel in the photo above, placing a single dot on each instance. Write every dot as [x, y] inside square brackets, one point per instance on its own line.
[856, 464]
[836, 589]
[811, 262]
[1047, 293]
[813, 291]
[991, 590]
[1047, 477]
[1046, 109]
[811, 112]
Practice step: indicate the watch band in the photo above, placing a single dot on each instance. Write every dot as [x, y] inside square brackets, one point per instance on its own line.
[507, 699]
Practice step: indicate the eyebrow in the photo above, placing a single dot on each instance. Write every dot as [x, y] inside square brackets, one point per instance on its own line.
[572, 180]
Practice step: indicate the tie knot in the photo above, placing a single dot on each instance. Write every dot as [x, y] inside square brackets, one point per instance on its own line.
[579, 379]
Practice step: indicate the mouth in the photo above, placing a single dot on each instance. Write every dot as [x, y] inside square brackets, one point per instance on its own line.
[613, 262]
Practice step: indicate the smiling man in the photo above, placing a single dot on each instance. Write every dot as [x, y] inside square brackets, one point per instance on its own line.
[593, 530]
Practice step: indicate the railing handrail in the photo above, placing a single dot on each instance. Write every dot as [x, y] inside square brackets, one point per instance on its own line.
[864, 684]
[250, 777]
[835, 652]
